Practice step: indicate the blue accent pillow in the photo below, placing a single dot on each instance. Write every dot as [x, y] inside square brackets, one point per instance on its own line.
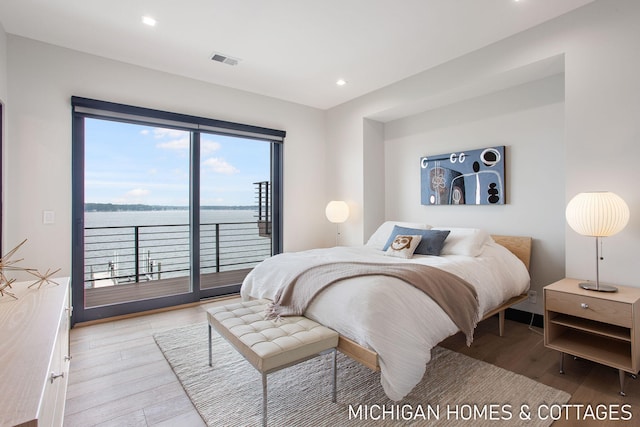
[431, 243]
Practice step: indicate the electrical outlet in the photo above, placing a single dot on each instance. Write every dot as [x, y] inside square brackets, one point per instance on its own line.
[533, 297]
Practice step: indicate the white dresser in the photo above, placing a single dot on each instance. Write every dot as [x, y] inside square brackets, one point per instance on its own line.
[34, 354]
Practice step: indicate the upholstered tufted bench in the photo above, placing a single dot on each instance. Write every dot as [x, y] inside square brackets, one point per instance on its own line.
[271, 345]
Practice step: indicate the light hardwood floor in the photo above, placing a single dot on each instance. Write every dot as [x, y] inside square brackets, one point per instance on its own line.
[119, 377]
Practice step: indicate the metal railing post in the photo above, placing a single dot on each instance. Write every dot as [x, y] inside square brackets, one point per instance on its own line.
[217, 247]
[266, 202]
[137, 252]
[259, 201]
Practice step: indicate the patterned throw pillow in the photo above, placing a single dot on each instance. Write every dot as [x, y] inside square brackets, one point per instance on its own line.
[403, 246]
[431, 243]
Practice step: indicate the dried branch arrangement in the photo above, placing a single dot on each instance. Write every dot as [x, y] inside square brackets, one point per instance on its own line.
[7, 263]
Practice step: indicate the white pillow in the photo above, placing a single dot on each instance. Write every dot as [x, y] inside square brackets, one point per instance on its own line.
[403, 246]
[379, 238]
[464, 241]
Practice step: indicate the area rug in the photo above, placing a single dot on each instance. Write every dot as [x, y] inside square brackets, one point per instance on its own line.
[456, 390]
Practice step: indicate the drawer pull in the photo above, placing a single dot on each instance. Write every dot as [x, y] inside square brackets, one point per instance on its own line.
[584, 305]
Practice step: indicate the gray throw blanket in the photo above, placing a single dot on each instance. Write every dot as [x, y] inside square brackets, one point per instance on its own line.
[454, 295]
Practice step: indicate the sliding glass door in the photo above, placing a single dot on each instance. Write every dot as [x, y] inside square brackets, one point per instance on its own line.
[136, 216]
[235, 205]
[167, 212]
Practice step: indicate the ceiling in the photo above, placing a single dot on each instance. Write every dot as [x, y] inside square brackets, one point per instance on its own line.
[293, 50]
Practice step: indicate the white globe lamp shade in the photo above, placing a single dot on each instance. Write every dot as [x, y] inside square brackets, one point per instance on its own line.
[337, 211]
[598, 214]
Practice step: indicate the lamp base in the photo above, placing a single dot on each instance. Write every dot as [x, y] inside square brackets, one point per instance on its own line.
[599, 288]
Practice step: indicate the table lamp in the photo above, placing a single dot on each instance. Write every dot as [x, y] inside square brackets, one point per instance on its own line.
[597, 214]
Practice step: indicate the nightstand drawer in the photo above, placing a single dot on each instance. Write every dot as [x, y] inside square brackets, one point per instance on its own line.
[601, 310]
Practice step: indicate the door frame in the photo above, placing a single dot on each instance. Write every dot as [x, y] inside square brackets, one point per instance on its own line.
[89, 108]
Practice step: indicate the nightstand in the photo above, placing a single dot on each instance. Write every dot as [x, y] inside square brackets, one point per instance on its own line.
[598, 326]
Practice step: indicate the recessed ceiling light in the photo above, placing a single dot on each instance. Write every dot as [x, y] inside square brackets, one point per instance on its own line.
[147, 20]
[341, 82]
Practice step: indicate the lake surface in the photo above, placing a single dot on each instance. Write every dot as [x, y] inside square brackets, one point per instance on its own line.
[169, 217]
[161, 239]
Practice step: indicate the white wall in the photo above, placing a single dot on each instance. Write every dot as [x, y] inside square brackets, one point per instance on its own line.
[3, 102]
[529, 121]
[373, 175]
[601, 110]
[603, 130]
[3, 66]
[38, 177]
[345, 168]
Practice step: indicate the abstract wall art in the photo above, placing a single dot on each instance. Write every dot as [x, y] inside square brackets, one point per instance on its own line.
[474, 177]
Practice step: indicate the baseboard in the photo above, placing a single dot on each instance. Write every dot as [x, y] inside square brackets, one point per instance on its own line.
[524, 317]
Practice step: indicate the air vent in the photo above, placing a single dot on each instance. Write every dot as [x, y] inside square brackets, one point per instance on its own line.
[225, 59]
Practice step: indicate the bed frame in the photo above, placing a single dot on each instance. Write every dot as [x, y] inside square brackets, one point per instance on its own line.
[519, 246]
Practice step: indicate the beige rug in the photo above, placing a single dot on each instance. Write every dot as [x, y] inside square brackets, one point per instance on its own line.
[456, 390]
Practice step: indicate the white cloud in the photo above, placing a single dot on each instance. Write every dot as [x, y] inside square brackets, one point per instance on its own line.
[181, 144]
[208, 147]
[174, 140]
[219, 165]
[137, 195]
[212, 201]
[160, 133]
[180, 174]
[137, 192]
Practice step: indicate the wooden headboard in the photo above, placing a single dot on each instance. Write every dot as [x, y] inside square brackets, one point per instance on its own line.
[519, 246]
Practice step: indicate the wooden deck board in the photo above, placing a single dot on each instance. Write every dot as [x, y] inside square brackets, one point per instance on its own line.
[126, 292]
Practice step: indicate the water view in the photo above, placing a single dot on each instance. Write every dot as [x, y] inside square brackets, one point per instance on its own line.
[164, 217]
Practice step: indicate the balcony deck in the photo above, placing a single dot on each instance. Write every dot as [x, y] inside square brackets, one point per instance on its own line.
[122, 293]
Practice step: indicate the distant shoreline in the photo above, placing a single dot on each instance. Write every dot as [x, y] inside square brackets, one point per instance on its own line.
[112, 207]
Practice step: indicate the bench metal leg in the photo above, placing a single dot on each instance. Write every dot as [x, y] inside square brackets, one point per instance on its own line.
[210, 363]
[264, 400]
[334, 391]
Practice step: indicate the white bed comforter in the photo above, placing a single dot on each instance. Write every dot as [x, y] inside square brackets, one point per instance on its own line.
[387, 315]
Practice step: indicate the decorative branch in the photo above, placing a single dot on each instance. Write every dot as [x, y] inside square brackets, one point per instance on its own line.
[4, 286]
[44, 278]
[8, 264]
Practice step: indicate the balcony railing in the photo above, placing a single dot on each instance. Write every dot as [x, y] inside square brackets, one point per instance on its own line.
[130, 254]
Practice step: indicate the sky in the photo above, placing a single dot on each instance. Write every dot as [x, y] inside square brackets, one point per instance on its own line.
[131, 164]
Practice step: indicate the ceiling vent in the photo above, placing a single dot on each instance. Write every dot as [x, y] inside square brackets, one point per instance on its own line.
[225, 59]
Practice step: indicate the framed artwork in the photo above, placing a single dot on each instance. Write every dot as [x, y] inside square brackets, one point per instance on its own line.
[474, 177]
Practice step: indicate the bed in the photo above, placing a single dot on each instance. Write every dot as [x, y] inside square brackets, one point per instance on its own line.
[387, 324]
